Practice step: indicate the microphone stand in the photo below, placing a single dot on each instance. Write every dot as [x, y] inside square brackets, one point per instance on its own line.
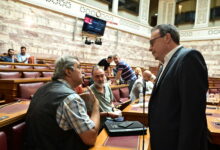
[144, 91]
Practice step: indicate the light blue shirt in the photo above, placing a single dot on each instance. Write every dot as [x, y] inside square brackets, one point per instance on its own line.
[21, 58]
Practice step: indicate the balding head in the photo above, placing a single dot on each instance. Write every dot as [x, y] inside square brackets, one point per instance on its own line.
[98, 75]
[147, 75]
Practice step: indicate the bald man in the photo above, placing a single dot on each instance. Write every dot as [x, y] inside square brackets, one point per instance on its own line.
[137, 89]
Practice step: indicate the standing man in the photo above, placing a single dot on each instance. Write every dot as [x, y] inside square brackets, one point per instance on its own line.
[177, 119]
[125, 72]
[137, 89]
[57, 116]
[105, 62]
[23, 56]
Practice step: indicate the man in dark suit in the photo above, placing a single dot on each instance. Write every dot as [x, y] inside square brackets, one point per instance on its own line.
[177, 118]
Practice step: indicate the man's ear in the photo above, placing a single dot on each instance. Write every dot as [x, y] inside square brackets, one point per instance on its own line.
[68, 72]
[168, 37]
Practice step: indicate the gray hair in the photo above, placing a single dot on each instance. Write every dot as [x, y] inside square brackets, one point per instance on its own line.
[63, 63]
[96, 67]
[168, 28]
[115, 55]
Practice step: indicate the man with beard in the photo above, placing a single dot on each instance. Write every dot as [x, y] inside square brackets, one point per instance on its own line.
[104, 94]
[10, 57]
[23, 56]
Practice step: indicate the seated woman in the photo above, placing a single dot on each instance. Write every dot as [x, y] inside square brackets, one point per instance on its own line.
[138, 72]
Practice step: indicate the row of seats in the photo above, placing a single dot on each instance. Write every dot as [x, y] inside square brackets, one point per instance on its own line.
[25, 67]
[9, 75]
[214, 90]
[214, 85]
[15, 141]
[121, 97]
[27, 90]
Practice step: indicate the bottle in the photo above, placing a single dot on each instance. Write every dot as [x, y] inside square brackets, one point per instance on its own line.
[141, 97]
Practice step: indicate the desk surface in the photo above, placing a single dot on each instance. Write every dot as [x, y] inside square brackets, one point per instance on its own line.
[25, 80]
[14, 112]
[134, 113]
[103, 136]
[22, 64]
[213, 115]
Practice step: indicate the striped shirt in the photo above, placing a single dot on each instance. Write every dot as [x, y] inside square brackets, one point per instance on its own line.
[127, 72]
[72, 114]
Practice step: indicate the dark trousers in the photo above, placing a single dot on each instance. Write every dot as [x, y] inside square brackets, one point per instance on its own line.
[130, 85]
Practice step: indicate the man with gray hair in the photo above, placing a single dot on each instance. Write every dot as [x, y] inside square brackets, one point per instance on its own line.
[176, 112]
[57, 117]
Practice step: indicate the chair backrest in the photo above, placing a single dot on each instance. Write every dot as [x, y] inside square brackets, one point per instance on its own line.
[41, 67]
[47, 74]
[51, 66]
[3, 141]
[28, 89]
[116, 94]
[88, 70]
[213, 90]
[124, 92]
[88, 74]
[23, 67]
[31, 60]
[5, 66]
[18, 133]
[8, 75]
[31, 74]
[86, 82]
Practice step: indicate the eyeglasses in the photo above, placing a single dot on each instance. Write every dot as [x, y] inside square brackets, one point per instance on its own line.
[153, 40]
[78, 67]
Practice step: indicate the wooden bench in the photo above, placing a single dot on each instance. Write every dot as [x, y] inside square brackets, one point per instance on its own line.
[9, 87]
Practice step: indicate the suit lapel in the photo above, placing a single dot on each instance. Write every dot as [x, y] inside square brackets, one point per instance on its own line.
[158, 74]
[171, 61]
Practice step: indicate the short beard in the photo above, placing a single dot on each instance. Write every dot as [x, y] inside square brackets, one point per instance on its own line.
[100, 85]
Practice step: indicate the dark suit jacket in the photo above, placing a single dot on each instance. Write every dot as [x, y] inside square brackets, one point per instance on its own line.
[177, 119]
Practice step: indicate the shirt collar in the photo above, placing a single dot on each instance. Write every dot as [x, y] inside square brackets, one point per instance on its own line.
[65, 82]
[170, 54]
[104, 87]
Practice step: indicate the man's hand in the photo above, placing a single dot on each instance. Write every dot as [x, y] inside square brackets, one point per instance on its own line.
[112, 115]
[92, 96]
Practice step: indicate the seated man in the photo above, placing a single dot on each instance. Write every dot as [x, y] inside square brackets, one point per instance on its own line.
[9, 57]
[23, 56]
[104, 94]
[137, 89]
[57, 116]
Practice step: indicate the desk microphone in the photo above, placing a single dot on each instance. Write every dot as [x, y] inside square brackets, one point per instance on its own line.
[144, 91]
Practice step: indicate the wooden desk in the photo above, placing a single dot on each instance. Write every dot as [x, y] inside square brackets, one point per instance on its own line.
[212, 116]
[22, 64]
[26, 70]
[99, 145]
[9, 87]
[15, 112]
[118, 86]
[132, 113]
